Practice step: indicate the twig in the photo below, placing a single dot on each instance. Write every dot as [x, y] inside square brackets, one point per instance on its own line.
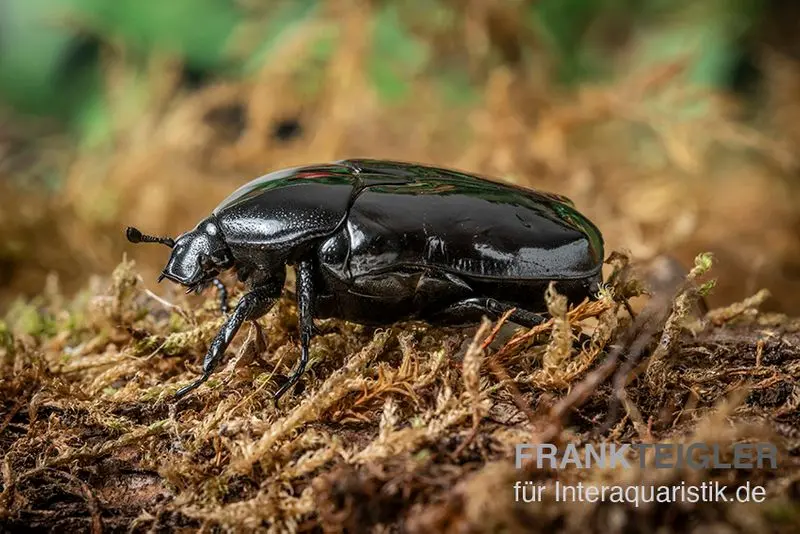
[577, 396]
[488, 341]
[643, 331]
[516, 395]
[721, 316]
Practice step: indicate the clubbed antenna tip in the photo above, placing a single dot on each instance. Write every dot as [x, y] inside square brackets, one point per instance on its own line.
[135, 236]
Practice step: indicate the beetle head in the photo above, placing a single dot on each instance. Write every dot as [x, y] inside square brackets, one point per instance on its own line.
[197, 257]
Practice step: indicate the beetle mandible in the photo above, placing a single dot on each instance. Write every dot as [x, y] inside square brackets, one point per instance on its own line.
[376, 242]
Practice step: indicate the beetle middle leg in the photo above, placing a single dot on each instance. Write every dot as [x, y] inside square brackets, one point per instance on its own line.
[472, 309]
[251, 306]
[305, 312]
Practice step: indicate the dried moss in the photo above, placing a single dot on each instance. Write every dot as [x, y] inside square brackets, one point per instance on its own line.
[391, 428]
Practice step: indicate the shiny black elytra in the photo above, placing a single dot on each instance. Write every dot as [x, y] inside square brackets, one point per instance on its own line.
[376, 242]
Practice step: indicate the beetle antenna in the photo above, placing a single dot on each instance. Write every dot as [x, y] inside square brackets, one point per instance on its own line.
[135, 236]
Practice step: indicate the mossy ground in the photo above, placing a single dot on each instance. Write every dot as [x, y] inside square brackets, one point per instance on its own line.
[404, 428]
[409, 428]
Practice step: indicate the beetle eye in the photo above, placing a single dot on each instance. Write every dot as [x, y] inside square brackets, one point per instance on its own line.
[205, 262]
[220, 258]
[215, 261]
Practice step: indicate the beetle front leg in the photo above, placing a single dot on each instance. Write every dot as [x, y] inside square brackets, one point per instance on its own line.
[305, 315]
[251, 306]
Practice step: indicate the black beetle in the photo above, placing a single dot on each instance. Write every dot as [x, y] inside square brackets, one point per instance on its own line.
[375, 242]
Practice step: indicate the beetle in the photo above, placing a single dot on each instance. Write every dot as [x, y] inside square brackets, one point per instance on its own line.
[376, 242]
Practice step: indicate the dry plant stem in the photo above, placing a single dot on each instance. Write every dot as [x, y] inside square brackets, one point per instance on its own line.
[640, 335]
[106, 448]
[473, 359]
[516, 395]
[471, 368]
[585, 309]
[655, 314]
[721, 316]
[680, 306]
[500, 322]
[576, 397]
[583, 390]
[11, 413]
[759, 352]
[632, 411]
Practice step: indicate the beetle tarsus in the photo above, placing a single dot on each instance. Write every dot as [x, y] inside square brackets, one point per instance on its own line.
[471, 310]
[294, 378]
[191, 387]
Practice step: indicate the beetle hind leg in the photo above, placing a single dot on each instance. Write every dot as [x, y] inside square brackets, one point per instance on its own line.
[471, 310]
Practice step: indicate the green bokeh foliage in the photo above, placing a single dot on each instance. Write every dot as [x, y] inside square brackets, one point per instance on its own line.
[47, 66]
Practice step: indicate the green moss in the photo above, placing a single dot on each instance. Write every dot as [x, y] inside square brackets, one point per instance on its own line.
[787, 513]
[146, 345]
[28, 318]
[703, 263]
[422, 455]
[153, 393]
[176, 322]
[706, 288]
[6, 337]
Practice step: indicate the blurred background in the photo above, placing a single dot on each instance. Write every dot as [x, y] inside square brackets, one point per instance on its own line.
[673, 124]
